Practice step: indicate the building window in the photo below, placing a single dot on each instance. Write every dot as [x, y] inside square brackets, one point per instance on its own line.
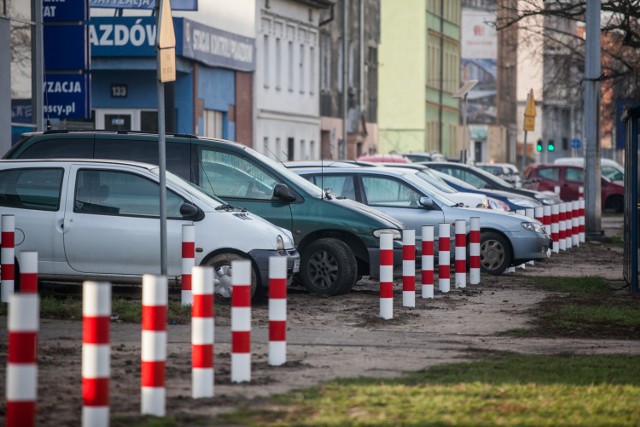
[290, 149]
[312, 69]
[302, 59]
[278, 151]
[303, 150]
[265, 146]
[213, 124]
[265, 59]
[325, 62]
[312, 149]
[290, 70]
[278, 64]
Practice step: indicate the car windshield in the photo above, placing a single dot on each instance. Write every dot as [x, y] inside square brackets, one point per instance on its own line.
[190, 187]
[436, 181]
[491, 177]
[429, 190]
[454, 180]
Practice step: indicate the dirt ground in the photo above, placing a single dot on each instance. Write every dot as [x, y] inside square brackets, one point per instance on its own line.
[328, 337]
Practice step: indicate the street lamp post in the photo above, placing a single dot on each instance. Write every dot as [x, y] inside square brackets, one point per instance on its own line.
[462, 94]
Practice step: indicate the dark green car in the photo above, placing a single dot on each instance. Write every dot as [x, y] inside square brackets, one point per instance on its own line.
[338, 239]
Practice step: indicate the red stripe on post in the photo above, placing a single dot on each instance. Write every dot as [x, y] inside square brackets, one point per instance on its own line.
[445, 244]
[277, 288]
[95, 391]
[277, 330]
[29, 282]
[461, 265]
[408, 252]
[241, 296]
[95, 330]
[152, 374]
[154, 317]
[186, 282]
[8, 239]
[427, 247]
[427, 277]
[474, 262]
[241, 341]
[202, 305]
[409, 283]
[8, 272]
[202, 355]
[444, 271]
[386, 290]
[461, 240]
[21, 414]
[386, 257]
[22, 347]
[474, 236]
[188, 250]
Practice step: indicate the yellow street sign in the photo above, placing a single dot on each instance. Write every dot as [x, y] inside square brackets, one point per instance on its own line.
[529, 124]
[531, 105]
[166, 34]
[167, 65]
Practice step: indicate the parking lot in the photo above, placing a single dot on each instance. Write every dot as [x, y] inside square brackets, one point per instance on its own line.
[328, 337]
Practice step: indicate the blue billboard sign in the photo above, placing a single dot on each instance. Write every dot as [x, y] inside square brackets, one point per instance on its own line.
[65, 47]
[67, 96]
[21, 111]
[143, 4]
[123, 36]
[66, 10]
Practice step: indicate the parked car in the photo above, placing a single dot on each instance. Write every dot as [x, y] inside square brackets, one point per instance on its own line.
[424, 156]
[393, 158]
[338, 239]
[569, 179]
[91, 219]
[506, 239]
[511, 201]
[610, 169]
[484, 180]
[506, 171]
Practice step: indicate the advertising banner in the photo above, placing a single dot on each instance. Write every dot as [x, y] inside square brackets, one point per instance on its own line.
[143, 4]
[65, 47]
[67, 96]
[64, 10]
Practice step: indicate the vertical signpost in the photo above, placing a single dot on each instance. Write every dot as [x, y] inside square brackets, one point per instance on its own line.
[166, 73]
[529, 126]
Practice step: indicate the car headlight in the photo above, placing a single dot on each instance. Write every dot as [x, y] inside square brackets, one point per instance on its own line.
[397, 235]
[527, 203]
[498, 205]
[532, 226]
[546, 200]
[280, 245]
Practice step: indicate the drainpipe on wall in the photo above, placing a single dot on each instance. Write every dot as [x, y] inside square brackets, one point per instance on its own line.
[440, 124]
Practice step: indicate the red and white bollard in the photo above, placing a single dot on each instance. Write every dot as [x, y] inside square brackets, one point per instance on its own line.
[581, 193]
[575, 223]
[408, 268]
[241, 321]
[569, 225]
[96, 353]
[22, 369]
[546, 218]
[154, 344]
[444, 258]
[427, 261]
[202, 332]
[7, 255]
[461, 253]
[562, 225]
[29, 272]
[474, 251]
[581, 228]
[188, 261]
[277, 311]
[555, 228]
[386, 276]
[530, 213]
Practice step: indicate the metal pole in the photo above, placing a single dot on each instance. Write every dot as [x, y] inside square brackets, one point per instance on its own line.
[465, 137]
[591, 116]
[523, 162]
[162, 161]
[37, 79]
[345, 85]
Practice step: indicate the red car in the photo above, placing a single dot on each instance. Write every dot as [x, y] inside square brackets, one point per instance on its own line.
[387, 158]
[569, 179]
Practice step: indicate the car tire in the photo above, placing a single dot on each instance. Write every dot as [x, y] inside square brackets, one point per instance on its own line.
[221, 264]
[495, 252]
[615, 203]
[328, 266]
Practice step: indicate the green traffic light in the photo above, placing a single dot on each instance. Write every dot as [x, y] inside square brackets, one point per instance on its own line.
[551, 146]
[539, 146]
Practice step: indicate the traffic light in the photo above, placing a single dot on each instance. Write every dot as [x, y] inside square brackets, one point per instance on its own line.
[551, 146]
[539, 146]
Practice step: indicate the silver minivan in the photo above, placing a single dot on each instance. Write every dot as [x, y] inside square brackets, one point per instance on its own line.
[92, 219]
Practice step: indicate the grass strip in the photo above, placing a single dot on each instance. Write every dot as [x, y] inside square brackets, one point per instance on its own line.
[578, 286]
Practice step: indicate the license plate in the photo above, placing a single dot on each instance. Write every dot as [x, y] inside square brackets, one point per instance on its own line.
[296, 265]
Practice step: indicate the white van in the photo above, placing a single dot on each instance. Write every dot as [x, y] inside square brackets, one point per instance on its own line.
[92, 219]
[610, 169]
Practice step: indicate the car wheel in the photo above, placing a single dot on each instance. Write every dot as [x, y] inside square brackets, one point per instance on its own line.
[329, 267]
[495, 253]
[615, 203]
[221, 264]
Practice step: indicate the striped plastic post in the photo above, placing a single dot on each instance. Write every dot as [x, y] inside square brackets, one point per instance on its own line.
[539, 214]
[96, 353]
[569, 225]
[461, 253]
[7, 254]
[386, 276]
[581, 223]
[188, 261]
[562, 226]
[427, 261]
[154, 344]
[547, 218]
[277, 311]
[241, 321]
[22, 369]
[444, 257]
[555, 228]
[409, 268]
[581, 193]
[575, 223]
[29, 272]
[530, 213]
[474, 251]
[202, 332]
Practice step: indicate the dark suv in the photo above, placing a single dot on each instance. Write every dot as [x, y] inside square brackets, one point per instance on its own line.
[568, 179]
[338, 239]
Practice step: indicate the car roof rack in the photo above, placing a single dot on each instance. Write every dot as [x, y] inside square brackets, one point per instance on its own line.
[119, 132]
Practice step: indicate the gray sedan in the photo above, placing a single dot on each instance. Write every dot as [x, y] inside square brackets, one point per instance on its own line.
[506, 239]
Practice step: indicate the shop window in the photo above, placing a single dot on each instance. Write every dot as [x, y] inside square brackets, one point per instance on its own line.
[213, 124]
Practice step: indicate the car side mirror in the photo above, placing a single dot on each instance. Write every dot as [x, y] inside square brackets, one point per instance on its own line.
[283, 192]
[426, 202]
[189, 211]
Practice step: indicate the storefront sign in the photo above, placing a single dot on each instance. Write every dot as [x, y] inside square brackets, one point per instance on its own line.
[65, 47]
[143, 4]
[123, 36]
[64, 10]
[67, 96]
